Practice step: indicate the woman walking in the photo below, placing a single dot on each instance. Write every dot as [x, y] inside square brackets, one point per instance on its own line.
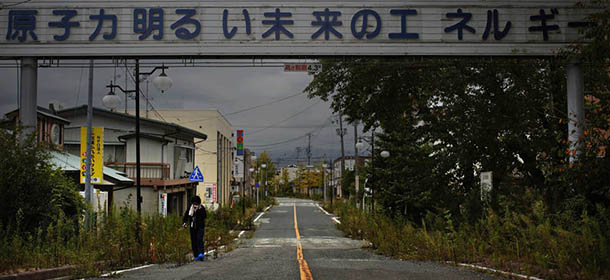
[195, 218]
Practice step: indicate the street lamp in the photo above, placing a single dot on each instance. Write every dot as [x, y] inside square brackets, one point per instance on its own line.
[111, 100]
[163, 83]
[383, 154]
[360, 145]
[264, 166]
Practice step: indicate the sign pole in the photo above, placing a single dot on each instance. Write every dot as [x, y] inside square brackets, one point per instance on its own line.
[28, 95]
[576, 108]
[243, 186]
[138, 167]
[88, 195]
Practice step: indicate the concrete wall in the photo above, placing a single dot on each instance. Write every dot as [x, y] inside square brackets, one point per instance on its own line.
[150, 199]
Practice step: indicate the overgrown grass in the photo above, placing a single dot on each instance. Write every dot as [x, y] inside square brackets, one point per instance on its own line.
[115, 240]
[523, 243]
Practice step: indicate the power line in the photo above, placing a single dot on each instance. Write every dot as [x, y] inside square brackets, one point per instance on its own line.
[279, 126]
[262, 105]
[146, 98]
[315, 132]
[278, 143]
[14, 4]
[250, 108]
[286, 119]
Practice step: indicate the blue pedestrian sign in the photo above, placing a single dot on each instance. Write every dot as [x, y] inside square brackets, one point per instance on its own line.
[196, 176]
[257, 185]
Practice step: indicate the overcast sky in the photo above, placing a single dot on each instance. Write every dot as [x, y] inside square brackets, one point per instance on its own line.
[228, 89]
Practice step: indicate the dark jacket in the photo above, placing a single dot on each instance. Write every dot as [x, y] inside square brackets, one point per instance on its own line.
[198, 218]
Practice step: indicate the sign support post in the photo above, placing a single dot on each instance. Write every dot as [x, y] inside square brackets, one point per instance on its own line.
[28, 95]
[576, 108]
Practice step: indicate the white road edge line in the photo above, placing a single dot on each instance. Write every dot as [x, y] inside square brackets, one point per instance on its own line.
[323, 210]
[461, 264]
[256, 219]
[259, 216]
[333, 218]
[499, 271]
[126, 270]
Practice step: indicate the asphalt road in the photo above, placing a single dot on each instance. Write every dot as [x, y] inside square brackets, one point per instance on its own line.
[319, 252]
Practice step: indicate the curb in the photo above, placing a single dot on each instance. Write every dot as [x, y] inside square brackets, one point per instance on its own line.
[41, 274]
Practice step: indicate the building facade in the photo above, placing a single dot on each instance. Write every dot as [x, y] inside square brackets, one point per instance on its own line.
[215, 156]
[50, 132]
[167, 156]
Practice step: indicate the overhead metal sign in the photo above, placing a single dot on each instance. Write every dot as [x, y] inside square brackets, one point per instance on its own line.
[303, 67]
[286, 28]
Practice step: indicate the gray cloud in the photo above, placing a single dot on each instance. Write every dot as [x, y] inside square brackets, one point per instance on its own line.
[227, 89]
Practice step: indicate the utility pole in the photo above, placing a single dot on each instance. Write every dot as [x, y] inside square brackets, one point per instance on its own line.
[243, 185]
[332, 186]
[373, 170]
[147, 98]
[138, 163]
[308, 160]
[342, 132]
[88, 193]
[126, 94]
[357, 174]
[308, 149]
[324, 178]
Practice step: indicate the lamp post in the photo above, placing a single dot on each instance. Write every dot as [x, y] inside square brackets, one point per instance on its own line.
[358, 146]
[384, 154]
[255, 181]
[264, 167]
[251, 169]
[324, 166]
[161, 82]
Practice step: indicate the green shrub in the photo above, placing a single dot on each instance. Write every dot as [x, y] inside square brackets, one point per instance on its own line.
[524, 243]
[115, 240]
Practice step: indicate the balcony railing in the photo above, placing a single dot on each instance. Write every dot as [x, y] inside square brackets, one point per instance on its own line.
[148, 170]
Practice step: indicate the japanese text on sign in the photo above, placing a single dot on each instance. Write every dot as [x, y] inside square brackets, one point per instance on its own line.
[97, 155]
[323, 26]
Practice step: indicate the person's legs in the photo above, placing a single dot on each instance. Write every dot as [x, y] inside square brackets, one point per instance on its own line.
[200, 240]
[194, 242]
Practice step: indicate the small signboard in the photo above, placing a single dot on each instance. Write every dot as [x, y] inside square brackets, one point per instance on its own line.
[163, 204]
[210, 193]
[486, 185]
[196, 176]
[240, 142]
[238, 164]
[303, 67]
[97, 155]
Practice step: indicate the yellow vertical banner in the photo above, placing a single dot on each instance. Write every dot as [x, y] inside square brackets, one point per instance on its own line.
[97, 154]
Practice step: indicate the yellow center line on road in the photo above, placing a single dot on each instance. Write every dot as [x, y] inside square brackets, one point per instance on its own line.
[303, 266]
